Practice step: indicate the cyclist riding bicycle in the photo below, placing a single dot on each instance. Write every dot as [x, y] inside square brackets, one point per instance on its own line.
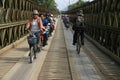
[53, 21]
[34, 24]
[78, 27]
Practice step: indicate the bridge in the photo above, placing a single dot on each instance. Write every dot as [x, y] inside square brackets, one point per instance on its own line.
[102, 19]
[99, 58]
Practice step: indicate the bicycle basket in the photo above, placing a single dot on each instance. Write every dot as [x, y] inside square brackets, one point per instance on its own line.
[32, 39]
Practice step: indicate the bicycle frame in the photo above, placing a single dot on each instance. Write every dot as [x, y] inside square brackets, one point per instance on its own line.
[32, 41]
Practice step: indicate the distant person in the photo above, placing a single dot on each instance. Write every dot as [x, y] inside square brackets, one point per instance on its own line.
[66, 21]
[52, 21]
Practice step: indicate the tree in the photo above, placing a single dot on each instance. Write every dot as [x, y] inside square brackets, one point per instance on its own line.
[77, 4]
[49, 4]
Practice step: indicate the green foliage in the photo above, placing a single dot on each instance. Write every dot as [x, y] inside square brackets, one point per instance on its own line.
[77, 4]
[49, 4]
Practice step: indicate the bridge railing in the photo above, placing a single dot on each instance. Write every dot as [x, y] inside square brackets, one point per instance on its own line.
[106, 36]
[12, 32]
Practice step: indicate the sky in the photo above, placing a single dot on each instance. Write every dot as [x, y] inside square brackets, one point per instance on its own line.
[63, 4]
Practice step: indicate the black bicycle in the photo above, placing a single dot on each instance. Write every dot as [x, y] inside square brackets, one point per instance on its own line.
[78, 44]
[32, 41]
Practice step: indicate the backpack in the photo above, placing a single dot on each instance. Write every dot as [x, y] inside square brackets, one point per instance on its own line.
[80, 22]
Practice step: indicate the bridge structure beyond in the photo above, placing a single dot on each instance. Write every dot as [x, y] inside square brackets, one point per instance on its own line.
[102, 24]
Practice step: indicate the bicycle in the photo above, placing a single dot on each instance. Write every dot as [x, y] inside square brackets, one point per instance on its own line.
[32, 41]
[78, 43]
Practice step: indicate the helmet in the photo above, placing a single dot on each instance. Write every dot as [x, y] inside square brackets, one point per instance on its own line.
[47, 14]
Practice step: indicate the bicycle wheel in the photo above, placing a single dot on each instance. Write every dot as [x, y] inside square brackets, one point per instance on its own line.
[35, 50]
[78, 45]
[31, 54]
[40, 47]
[41, 44]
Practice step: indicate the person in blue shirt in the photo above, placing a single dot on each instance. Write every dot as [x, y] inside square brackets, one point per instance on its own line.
[45, 24]
[48, 17]
[78, 28]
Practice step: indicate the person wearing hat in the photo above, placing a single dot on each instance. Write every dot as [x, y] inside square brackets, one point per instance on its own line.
[78, 27]
[34, 24]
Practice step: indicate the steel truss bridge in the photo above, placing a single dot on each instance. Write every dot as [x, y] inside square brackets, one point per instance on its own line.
[13, 17]
[102, 23]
